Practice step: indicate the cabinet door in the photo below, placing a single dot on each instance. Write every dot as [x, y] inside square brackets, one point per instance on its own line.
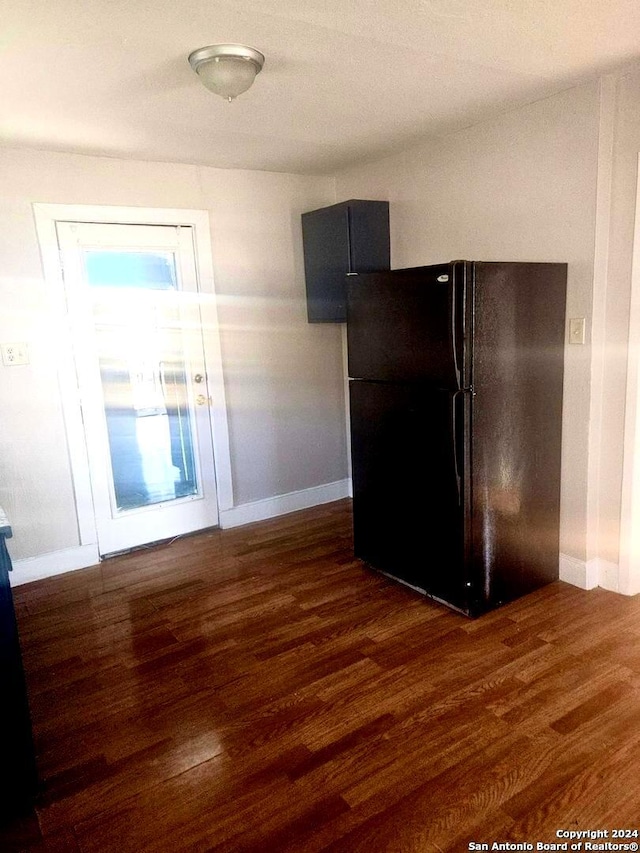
[325, 236]
[369, 241]
[17, 768]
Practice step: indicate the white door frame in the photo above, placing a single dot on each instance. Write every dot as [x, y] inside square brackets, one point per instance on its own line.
[46, 216]
[630, 510]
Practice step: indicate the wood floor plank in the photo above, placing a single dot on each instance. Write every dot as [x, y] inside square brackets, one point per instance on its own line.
[258, 689]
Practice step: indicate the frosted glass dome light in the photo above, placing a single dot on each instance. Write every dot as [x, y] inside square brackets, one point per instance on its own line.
[227, 69]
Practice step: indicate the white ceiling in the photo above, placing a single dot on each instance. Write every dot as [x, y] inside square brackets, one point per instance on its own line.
[344, 80]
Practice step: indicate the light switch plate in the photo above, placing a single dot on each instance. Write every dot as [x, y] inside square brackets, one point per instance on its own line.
[16, 353]
[576, 330]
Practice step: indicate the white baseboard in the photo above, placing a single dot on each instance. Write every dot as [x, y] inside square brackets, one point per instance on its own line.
[575, 572]
[590, 574]
[608, 575]
[282, 504]
[54, 563]
[71, 559]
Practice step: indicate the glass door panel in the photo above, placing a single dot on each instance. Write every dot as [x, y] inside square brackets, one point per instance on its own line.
[143, 371]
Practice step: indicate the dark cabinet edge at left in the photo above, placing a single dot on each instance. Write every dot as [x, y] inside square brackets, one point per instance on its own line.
[349, 237]
[18, 779]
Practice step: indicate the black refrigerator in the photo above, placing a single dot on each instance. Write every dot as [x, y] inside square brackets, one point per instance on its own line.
[455, 389]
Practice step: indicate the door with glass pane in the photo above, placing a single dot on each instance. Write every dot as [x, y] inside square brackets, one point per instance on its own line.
[133, 303]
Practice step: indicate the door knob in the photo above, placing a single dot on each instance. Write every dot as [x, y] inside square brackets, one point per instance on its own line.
[198, 378]
[201, 400]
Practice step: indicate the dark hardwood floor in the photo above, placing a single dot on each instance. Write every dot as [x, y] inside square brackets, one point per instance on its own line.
[259, 690]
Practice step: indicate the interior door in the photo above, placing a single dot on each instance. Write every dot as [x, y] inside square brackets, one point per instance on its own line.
[133, 303]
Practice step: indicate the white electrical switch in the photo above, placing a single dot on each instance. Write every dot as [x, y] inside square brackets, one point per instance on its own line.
[14, 354]
[576, 330]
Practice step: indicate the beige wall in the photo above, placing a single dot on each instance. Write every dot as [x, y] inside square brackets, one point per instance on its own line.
[283, 377]
[521, 187]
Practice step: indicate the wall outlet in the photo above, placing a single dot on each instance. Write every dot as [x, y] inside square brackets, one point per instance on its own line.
[14, 354]
[576, 330]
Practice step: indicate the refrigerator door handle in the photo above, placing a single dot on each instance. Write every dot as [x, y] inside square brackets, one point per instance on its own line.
[454, 329]
[454, 442]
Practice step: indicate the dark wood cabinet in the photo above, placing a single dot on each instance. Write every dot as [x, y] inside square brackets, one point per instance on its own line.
[349, 237]
[17, 769]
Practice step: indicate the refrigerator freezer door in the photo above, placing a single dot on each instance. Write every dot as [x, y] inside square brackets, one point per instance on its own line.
[410, 326]
[410, 485]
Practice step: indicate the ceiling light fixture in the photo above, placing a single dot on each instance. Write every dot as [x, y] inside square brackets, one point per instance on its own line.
[227, 69]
